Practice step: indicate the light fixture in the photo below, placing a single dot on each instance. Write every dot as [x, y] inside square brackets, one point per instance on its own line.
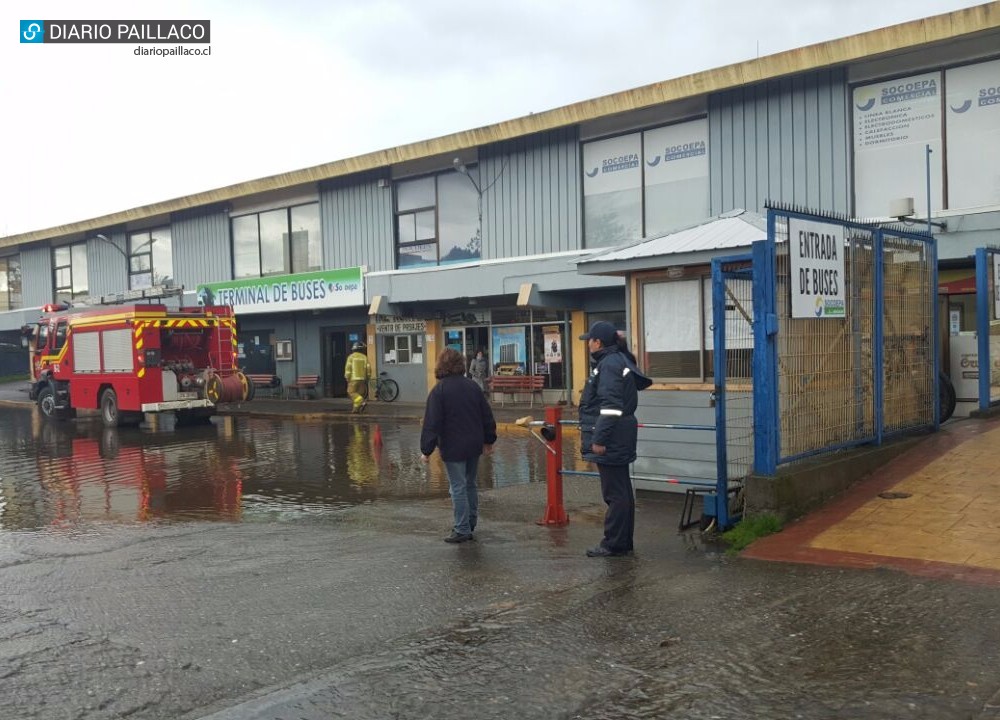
[104, 239]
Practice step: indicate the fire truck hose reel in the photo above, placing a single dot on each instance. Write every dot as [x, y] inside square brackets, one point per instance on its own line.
[225, 389]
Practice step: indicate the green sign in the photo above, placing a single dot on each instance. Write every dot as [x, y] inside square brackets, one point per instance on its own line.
[282, 293]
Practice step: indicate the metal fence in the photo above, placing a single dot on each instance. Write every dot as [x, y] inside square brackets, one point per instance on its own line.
[846, 381]
[732, 359]
[823, 398]
[909, 331]
[988, 325]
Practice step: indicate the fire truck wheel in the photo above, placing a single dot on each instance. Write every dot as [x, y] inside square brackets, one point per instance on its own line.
[47, 405]
[47, 402]
[109, 408]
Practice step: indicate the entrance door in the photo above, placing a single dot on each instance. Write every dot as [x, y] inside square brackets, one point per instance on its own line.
[335, 351]
[478, 338]
[337, 344]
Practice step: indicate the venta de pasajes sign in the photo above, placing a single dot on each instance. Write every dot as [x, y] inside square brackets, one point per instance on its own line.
[816, 254]
[280, 293]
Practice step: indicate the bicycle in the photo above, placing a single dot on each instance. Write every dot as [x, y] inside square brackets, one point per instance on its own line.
[382, 387]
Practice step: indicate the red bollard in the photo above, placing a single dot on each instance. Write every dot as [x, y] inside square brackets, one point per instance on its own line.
[555, 513]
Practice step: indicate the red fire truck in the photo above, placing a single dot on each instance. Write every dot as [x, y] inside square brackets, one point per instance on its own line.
[126, 360]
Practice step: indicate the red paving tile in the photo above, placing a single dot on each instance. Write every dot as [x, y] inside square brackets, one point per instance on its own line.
[946, 528]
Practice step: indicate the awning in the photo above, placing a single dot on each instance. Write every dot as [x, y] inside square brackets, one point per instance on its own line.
[960, 281]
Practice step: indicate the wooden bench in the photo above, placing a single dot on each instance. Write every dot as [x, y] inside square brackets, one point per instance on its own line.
[514, 385]
[305, 382]
[265, 382]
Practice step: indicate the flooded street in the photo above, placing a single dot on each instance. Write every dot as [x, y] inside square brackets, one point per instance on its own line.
[69, 474]
[267, 569]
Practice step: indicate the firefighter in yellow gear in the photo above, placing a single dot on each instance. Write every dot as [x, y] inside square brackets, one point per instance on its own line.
[356, 372]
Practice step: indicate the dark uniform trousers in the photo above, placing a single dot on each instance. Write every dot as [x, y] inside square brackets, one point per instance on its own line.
[619, 521]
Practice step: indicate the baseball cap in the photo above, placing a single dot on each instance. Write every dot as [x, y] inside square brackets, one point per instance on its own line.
[603, 331]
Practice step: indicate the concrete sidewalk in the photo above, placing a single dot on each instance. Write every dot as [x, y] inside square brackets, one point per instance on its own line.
[322, 408]
[933, 511]
[16, 395]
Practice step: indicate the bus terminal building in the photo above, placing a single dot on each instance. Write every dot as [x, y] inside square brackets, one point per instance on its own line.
[472, 240]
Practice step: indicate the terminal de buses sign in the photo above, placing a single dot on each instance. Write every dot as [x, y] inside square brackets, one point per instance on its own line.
[282, 293]
[816, 254]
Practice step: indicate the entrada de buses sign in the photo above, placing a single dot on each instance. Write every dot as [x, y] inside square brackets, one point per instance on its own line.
[816, 255]
[281, 293]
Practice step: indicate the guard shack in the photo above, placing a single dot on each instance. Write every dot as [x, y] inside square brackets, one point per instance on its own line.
[792, 336]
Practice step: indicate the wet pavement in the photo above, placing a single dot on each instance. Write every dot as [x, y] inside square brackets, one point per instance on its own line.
[261, 567]
[934, 511]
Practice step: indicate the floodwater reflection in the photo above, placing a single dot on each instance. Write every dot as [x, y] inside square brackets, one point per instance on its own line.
[68, 474]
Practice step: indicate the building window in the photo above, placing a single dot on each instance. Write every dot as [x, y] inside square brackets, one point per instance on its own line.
[150, 259]
[69, 264]
[674, 343]
[952, 111]
[678, 345]
[645, 184]
[277, 242]
[437, 219]
[10, 283]
[530, 341]
[403, 349]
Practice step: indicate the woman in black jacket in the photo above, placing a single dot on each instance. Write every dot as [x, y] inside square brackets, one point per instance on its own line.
[459, 423]
[609, 431]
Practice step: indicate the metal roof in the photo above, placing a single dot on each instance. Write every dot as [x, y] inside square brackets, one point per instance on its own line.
[734, 230]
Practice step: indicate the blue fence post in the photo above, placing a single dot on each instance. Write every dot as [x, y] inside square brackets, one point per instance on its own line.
[719, 369]
[878, 335]
[765, 356]
[935, 330]
[983, 325]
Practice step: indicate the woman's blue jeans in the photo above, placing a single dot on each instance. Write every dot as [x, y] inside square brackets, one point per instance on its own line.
[464, 494]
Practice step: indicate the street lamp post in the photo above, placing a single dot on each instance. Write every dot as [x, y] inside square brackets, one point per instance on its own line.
[461, 168]
[480, 190]
[104, 239]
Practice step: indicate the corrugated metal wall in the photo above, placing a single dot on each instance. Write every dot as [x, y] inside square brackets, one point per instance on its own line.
[36, 276]
[107, 266]
[357, 224]
[533, 204]
[784, 140]
[201, 248]
[532, 207]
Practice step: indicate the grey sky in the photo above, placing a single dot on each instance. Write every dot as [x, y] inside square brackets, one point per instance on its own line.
[93, 129]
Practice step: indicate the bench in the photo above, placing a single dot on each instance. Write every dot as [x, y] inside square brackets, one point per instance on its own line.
[305, 382]
[514, 385]
[265, 381]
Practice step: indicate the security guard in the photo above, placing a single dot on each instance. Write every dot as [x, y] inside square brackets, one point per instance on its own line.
[609, 431]
[356, 372]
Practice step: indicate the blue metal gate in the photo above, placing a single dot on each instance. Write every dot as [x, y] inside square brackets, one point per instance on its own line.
[987, 326]
[732, 368]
